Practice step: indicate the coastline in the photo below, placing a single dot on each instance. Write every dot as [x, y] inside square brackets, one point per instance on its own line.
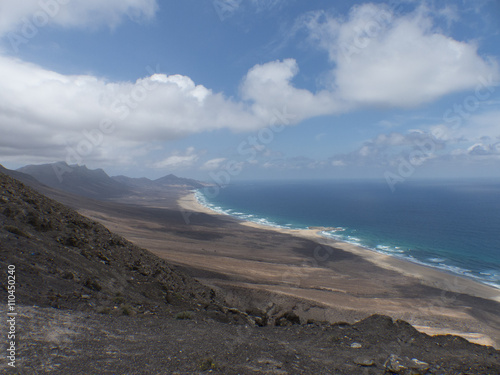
[449, 285]
[426, 274]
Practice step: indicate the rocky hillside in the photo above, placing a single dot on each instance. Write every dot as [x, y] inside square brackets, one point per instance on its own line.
[65, 260]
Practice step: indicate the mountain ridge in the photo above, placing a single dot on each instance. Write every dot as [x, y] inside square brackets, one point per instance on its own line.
[165, 181]
[83, 265]
[96, 183]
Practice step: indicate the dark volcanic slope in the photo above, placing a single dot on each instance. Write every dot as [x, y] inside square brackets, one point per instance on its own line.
[65, 260]
[23, 177]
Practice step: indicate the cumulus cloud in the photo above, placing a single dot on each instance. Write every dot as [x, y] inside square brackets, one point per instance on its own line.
[268, 86]
[480, 126]
[293, 163]
[389, 149]
[213, 164]
[399, 61]
[177, 160]
[17, 16]
[338, 163]
[480, 149]
[477, 140]
[41, 109]
[73, 115]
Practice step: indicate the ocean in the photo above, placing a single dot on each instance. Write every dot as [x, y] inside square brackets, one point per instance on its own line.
[450, 225]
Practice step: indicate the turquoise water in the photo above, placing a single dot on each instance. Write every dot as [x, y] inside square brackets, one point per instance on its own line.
[450, 225]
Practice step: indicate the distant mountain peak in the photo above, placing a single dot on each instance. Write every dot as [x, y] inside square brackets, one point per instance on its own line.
[172, 179]
[169, 180]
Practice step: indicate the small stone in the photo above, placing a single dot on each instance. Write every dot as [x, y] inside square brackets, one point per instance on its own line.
[418, 367]
[356, 345]
[398, 365]
[364, 361]
[394, 364]
[419, 363]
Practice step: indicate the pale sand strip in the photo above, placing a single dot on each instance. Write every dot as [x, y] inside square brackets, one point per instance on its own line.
[428, 275]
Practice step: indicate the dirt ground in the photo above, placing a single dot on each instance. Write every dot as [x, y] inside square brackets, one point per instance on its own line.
[68, 342]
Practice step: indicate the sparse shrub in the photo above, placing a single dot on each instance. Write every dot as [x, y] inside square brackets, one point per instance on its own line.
[68, 275]
[178, 296]
[72, 241]
[173, 297]
[127, 310]
[119, 299]
[184, 315]
[207, 364]
[116, 241]
[287, 319]
[104, 310]
[92, 284]
[12, 212]
[14, 230]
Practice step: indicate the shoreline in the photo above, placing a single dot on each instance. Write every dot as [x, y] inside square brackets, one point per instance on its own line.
[260, 267]
[435, 316]
[428, 275]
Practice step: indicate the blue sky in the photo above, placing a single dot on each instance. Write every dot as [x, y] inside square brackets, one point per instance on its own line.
[240, 89]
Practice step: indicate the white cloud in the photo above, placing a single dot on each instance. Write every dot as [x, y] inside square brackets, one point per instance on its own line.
[21, 16]
[477, 140]
[43, 113]
[482, 125]
[385, 60]
[338, 163]
[474, 128]
[228, 8]
[41, 110]
[178, 160]
[389, 149]
[269, 87]
[263, 5]
[320, 136]
[213, 164]
[392, 139]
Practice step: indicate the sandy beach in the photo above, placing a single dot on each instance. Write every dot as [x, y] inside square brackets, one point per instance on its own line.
[426, 275]
[317, 278]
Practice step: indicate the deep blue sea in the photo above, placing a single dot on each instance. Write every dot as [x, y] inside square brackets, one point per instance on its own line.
[450, 225]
